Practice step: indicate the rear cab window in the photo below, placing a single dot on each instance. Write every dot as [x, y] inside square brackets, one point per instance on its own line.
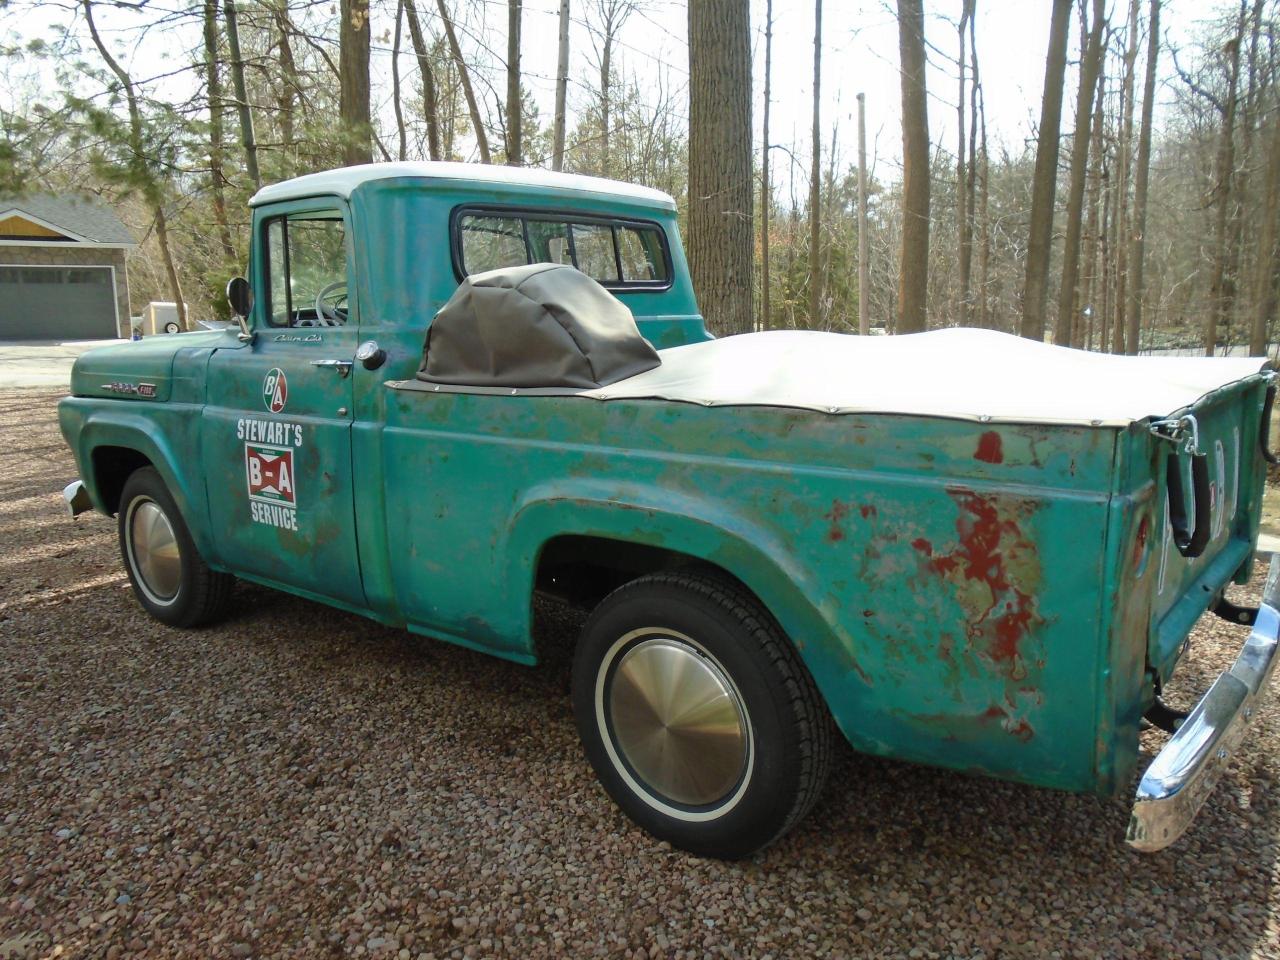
[619, 253]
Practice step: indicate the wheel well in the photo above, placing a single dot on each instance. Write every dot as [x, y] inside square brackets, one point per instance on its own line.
[584, 570]
[111, 468]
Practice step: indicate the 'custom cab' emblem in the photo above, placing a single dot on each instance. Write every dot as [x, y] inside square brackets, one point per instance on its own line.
[145, 390]
[275, 390]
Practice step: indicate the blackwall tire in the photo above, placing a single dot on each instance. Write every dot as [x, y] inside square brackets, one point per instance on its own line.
[168, 575]
[698, 716]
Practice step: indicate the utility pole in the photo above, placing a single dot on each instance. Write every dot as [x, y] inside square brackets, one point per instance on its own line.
[864, 268]
[562, 84]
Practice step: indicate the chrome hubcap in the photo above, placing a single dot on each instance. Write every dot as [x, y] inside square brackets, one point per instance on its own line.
[154, 551]
[678, 721]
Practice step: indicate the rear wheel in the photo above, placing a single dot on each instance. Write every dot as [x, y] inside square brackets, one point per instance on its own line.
[169, 577]
[698, 716]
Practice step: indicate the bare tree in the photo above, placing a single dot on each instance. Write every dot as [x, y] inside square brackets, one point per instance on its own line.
[562, 85]
[140, 168]
[1035, 292]
[864, 266]
[1124, 163]
[464, 78]
[964, 212]
[609, 16]
[353, 94]
[1090, 67]
[913, 263]
[815, 178]
[766, 184]
[1222, 288]
[1137, 241]
[290, 84]
[1267, 274]
[247, 139]
[402, 152]
[515, 108]
[720, 174]
[430, 105]
[213, 87]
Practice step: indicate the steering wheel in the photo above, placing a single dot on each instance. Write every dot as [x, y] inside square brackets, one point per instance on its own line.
[326, 315]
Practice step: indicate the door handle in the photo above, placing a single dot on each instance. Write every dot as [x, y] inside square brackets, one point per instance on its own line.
[342, 366]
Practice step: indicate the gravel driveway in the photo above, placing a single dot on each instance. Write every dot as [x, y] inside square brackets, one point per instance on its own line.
[299, 782]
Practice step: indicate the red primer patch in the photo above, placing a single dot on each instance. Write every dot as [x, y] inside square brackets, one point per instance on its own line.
[990, 448]
[867, 511]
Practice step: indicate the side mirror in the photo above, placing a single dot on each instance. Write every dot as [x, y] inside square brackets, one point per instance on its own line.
[240, 297]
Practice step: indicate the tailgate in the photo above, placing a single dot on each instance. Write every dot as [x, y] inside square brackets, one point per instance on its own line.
[1224, 427]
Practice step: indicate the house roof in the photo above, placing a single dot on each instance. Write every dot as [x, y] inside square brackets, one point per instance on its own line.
[343, 181]
[81, 217]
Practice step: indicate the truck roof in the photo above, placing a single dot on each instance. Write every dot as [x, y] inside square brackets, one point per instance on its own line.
[343, 181]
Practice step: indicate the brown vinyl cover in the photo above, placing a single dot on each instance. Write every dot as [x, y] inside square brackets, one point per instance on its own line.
[540, 325]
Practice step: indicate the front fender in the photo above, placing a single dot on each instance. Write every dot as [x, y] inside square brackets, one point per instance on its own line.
[167, 435]
[709, 530]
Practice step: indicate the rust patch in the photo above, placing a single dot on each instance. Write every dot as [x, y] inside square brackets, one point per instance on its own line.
[994, 569]
[868, 511]
[990, 448]
[835, 516]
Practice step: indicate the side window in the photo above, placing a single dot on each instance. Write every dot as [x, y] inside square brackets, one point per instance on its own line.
[492, 242]
[617, 253]
[640, 250]
[307, 270]
[593, 244]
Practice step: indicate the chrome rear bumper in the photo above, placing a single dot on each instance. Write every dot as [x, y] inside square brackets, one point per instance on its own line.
[1182, 775]
[77, 497]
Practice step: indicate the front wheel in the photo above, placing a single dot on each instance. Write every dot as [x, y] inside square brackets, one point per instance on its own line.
[169, 577]
[698, 716]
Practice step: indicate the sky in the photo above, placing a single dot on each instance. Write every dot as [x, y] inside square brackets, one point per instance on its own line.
[860, 54]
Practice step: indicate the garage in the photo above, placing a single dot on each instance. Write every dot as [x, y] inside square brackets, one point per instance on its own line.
[63, 273]
[65, 303]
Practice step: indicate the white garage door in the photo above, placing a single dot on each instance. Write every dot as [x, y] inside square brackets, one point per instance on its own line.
[57, 303]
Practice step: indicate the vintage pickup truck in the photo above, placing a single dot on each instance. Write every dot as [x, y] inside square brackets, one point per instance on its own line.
[454, 386]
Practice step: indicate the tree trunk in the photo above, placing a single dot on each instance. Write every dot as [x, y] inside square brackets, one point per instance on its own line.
[766, 186]
[720, 168]
[606, 68]
[213, 82]
[864, 268]
[913, 263]
[1267, 275]
[1125, 163]
[1137, 240]
[562, 85]
[984, 197]
[964, 214]
[247, 139]
[430, 106]
[1222, 288]
[1086, 286]
[290, 87]
[1035, 292]
[1090, 67]
[815, 179]
[353, 82]
[140, 167]
[395, 84]
[515, 109]
[464, 78]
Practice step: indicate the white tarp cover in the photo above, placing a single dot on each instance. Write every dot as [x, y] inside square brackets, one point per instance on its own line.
[958, 373]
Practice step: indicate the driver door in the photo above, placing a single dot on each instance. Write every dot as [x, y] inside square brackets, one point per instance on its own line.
[277, 421]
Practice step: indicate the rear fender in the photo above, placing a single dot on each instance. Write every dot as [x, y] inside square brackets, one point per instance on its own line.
[700, 529]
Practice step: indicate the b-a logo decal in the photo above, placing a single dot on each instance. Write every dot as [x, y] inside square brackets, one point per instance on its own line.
[270, 478]
[275, 390]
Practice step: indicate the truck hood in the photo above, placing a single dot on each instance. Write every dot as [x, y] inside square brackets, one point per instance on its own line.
[138, 370]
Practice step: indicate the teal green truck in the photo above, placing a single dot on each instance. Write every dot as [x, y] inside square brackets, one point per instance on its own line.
[451, 388]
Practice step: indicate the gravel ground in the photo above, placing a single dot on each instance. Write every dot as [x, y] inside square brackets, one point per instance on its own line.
[298, 782]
